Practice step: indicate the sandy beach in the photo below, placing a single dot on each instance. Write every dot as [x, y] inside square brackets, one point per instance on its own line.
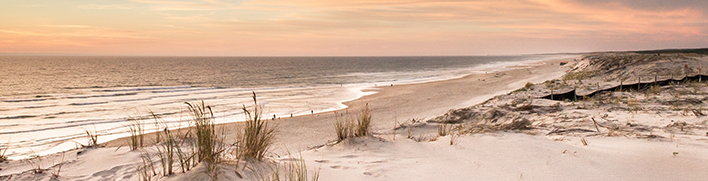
[272, 90]
[558, 145]
[393, 105]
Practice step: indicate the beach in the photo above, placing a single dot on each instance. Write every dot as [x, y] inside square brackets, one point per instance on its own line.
[272, 90]
[393, 105]
[497, 128]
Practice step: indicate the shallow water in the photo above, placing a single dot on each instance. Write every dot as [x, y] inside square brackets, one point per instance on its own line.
[48, 102]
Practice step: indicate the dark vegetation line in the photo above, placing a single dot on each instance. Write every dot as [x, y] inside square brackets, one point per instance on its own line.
[573, 96]
[703, 51]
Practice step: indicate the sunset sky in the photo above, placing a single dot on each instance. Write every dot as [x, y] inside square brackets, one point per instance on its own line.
[348, 27]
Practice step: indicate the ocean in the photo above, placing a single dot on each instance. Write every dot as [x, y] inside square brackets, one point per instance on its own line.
[47, 103]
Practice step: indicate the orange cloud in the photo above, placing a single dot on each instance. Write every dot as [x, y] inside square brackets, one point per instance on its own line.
[358, 27]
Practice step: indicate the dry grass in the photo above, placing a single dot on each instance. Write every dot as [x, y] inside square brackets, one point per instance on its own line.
[453, 138]
[443, 129]
[258, 136]
[3, 151]
[167, 152]
[158, 123]
[35, 161]
[55, 172]
[294, 170]
[136, 134]
[147, 170]
[209, 144]
[579, 75]
[187, 158]
[654, 90]
[363, 122]
[344, 126]
[93, 139]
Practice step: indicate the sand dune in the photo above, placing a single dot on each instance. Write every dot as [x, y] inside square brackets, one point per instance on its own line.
[562, 144]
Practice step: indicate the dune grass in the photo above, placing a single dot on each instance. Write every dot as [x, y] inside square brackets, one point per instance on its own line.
[3, 151]
[202, 144]
[136, 134]
[443, 129]
[167, 152]
[258, 135]
[363, 122]
[35, 161]
[210, 145]
[57, 170]
[346, 127]
[93, 139]
[293, 170]
[147, 169]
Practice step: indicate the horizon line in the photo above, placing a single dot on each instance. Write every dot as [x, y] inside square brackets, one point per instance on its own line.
[548, 53]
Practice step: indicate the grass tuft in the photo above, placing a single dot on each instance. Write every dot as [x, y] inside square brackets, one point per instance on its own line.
[136, 134]
[443, 129]
[93, 138]
[167, 151]
[453, 138]
[209, 144]
[363, 122]
[344, 126]
[147, 170]
[258, 136]
[55, 172]
[3, 151]
[294, 170]
[35, 162]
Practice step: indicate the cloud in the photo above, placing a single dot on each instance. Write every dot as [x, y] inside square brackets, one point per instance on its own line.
[108, 6]
[67, 26]
[31, 5]
[651, 5]
[524, 17]
[376, 27]
[190, 5]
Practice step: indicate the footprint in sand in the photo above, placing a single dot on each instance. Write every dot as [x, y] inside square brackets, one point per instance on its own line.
[340, 167]
[372, 174]
[108, 173]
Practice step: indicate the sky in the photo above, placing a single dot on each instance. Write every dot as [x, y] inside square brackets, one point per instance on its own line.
[348, 27]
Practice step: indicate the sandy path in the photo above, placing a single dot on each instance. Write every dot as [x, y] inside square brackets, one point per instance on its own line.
[401, 103]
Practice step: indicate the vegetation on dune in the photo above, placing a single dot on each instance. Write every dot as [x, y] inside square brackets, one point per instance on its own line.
[293, 170]
[258, 135]
[346, 127]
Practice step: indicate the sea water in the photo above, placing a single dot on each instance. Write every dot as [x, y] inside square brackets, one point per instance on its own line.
[47, 103]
